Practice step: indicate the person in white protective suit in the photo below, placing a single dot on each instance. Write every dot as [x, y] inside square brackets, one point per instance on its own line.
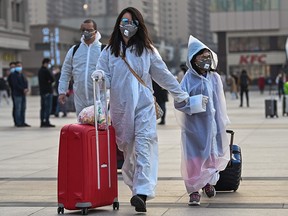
[80, 63]
[203, 120]
[132, 104]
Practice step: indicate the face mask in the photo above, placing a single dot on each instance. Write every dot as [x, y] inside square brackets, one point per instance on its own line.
[18, 69]
[87, 35]
[128, 30]
[204, 64]
[49, 66]
[12, 70]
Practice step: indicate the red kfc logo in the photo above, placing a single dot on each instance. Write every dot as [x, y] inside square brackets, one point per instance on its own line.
[252, 59]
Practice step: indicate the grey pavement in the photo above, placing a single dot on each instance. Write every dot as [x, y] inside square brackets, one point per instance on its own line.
[28, 166]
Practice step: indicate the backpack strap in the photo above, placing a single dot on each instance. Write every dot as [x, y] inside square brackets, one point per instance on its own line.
[103, 46]
[75, 49]
[77, 46]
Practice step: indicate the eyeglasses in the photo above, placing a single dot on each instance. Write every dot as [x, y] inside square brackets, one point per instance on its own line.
[204, 55]
[126, 21]
[88, 30]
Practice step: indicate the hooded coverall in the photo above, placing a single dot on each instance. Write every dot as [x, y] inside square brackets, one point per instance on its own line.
[133, 113]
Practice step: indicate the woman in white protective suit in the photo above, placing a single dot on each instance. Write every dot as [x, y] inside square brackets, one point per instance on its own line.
[132, 104]
[205, 145]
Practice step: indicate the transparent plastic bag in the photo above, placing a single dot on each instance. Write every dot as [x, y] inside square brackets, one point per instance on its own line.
[86, 116]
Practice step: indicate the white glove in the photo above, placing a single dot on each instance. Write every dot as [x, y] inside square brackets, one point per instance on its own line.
[98, 75]
[204, 100]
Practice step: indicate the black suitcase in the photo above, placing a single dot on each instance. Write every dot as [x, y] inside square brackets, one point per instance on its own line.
[271, 108]
[230, 177]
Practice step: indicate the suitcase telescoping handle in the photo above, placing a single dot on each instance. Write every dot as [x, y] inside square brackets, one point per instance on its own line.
[97, 96]
[231, 132]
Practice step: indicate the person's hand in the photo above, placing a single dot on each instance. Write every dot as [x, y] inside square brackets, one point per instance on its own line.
[26, 91]
[204, 101]
[97, 75]
[62, 98]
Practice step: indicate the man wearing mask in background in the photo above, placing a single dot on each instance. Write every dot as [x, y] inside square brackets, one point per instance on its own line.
[80, 62]
[12, 66]
[46, 79]
[19, 87]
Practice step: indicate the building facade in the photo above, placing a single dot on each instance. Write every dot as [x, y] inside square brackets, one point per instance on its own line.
[14, 32]
[251, 35]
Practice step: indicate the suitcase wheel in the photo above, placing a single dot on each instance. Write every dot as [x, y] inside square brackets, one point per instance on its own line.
[84, 211]
[60, 210]
[115, 205]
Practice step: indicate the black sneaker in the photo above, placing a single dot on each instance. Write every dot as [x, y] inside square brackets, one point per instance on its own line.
[209, 190]
[50, 125]
[194, 199]
[138, 203]
[26, 125]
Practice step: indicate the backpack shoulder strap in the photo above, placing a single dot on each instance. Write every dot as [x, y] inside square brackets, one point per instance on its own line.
[75, 49]
[103, 46]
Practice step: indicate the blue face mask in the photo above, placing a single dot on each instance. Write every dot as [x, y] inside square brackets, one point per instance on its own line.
[12, 70]
[18, 69]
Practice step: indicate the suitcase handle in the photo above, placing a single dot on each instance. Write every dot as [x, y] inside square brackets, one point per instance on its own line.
[96, 93]
[231, 132]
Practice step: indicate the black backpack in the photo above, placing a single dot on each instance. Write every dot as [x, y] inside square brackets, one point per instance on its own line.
[77, 46]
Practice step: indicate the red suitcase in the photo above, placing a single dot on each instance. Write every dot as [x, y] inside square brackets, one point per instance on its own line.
[87, 169]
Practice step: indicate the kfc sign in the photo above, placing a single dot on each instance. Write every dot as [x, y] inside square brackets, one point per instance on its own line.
[252, 59]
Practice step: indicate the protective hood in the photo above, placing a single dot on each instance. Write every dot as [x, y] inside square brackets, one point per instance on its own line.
[194, 46]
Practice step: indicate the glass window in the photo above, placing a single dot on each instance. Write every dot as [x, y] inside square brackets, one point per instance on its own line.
[230, 5]
[222, 5]
[281, 41]
[257, 5]
[274, 4]
[249, 44]
[2, 15]
[265, 4]
[17, 11]
[239, 5]
[248, 5]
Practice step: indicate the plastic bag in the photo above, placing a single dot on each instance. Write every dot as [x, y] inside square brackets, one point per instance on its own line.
[86, 116]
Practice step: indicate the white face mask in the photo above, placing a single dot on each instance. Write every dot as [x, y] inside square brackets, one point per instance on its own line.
[18, 69]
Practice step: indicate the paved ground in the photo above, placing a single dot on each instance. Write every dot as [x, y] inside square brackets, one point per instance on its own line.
[28, 167]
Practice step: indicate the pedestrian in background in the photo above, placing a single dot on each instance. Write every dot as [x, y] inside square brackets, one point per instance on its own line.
[59, 107]
[205, 145]
[161, 96]
[132, 107]
[12, 66]
[181, 73]
[280, 85]
[244, 82]
[261, 84]
[80, 62]
[4, 89]
[19, 86]
[45, 78]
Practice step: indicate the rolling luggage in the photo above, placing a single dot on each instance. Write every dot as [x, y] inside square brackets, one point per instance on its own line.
[230, 177]
[87, 167]
[271, 108]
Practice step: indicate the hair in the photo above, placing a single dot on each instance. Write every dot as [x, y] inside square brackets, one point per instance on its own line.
[90, 21]
[243, 71]
[141, 40]
[46, 60]
[11, 63]
[18, 62]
